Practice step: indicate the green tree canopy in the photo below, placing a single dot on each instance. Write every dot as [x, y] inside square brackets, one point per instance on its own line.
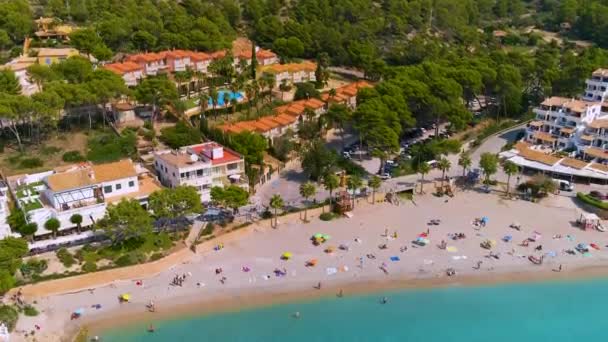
[125, 220]
[176, 202]
[232, 196]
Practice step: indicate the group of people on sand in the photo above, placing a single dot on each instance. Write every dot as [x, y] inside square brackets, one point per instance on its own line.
[178, 280]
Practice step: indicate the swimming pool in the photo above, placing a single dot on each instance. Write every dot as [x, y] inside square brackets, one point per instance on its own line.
[222, 94]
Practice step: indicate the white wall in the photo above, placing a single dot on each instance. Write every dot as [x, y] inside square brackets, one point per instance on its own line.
[123, 184]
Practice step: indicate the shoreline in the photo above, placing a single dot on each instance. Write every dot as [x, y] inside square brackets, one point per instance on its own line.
[184, 307]
[372, 262]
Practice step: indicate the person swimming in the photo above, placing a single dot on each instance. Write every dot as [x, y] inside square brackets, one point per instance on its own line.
[151, 328]
[384, 300]
[296, 314]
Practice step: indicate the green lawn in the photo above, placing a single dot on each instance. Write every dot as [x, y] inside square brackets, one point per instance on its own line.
[190, 103]
[32, 205]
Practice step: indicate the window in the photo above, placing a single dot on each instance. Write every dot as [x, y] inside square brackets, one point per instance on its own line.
[131, 184]
[107, 189]
[118, 186]
[233, 166]
[199, 173]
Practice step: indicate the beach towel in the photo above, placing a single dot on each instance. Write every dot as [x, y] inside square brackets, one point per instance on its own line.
[551, 254]
[395, 258]
[587, 255]
[427, 262]
[331, 270]
[451, 249]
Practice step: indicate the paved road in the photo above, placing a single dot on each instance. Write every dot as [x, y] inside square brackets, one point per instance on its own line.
[288, 183]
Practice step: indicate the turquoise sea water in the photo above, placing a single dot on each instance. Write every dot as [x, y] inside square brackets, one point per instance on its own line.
[557, 311]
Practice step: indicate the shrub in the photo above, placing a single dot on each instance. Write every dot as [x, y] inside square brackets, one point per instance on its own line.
[592, 201]
[49, 150]
[30, 163]
[73, 157]
[156, 256]
[180, 135]
[29, 310]
[108, 147]
[148, 124]
[208, 230]
[89, 266]
[9, 315]
[33, 267]
[65, 257]
[328, 216]
[123, 261]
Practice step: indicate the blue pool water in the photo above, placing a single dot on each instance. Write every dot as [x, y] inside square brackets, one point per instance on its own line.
[556, 311]
[220, 99]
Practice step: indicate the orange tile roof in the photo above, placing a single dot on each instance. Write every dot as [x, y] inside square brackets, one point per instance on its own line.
[544, 136]
[596, 152]
[567, 130]
[123, 68]
[269, 122]
[600, 167]
[538, 156]
[113, 171]
[574, 163]
[601, 72]
[284, 119]
[555, 101]
[177, 54]
[536, 123]
[200, 56]
[314, 103]
[69, 180]
[291, 67]
[587, 137]
[601, 123]
[147, 57]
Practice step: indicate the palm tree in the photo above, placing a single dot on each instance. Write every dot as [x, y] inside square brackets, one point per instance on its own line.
[354, 183]
[444, 165]
[52, 225]
[262, 83]
[180, 78]
[331, 182]
[276, 203]
[271, 82]
[375, 182]
[77, 220]
[29, 230]
[249, 92]
[283, 87]
[423, 169]
[465, 162]
[510, 168]
[226, 98]
[332, 92]
[203, 102]
[307, 190]
[213, 93]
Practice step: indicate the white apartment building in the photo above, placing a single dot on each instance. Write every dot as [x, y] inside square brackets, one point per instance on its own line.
[5, 229]
[83, 189]
[560, 122]
[597, 86]
[581, 125]
[203, 166]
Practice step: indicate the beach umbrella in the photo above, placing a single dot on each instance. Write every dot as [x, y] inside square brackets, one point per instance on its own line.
[79, 311]
[326, 237]
[125, 296]
[286, 255]
[485, 219]
[318, 236]
[311, 262]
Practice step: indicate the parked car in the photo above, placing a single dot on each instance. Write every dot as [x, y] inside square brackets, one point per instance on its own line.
[385, 176]
[564, 185]
[599, 195]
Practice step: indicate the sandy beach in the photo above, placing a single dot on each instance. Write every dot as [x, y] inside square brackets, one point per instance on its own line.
[251, 256]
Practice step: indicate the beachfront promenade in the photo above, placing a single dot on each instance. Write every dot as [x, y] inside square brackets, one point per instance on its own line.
[252, 268]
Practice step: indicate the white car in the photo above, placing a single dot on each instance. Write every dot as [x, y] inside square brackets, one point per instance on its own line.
[385, 176]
